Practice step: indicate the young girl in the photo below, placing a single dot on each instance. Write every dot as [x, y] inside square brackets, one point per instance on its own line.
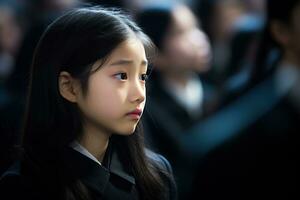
[82, 138]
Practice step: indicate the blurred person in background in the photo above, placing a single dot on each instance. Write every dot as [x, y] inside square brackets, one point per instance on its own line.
[242, 46]
[36, 16]
[10, 36]
[261, 160]
[243, 40]
[178, 96]
[39, 14]
[218, 18]
[278, 59]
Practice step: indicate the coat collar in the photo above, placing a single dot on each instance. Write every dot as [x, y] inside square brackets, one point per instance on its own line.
[120, 166]
[94, 175]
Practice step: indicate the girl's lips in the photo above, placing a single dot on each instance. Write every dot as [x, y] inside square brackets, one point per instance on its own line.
[136, 114]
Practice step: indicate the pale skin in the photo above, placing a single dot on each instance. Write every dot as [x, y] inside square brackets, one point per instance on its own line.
[114, 90]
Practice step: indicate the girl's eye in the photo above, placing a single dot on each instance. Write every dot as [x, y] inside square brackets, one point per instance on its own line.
[144, 77]
[121, 76]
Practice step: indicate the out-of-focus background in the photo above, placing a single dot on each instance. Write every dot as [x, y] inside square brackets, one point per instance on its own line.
[223, 102]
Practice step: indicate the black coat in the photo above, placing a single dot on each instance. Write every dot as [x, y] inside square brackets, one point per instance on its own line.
[112, 180]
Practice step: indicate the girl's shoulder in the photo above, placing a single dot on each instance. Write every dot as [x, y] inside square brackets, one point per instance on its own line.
[158, 160]
[165, 170]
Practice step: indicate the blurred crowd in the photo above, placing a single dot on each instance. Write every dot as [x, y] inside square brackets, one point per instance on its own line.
[223, 102]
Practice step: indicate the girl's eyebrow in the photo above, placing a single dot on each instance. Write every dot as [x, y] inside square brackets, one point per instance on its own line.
[128, 62]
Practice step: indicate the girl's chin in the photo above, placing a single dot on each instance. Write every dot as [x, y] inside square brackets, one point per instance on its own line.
[126, 132]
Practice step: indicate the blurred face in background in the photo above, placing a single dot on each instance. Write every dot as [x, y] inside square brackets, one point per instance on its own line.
[293, 43]
[185, 46]
[10, 32]
[224, 15]
[287, 35]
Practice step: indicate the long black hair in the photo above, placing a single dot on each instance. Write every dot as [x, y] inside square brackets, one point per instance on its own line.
[269, 51]
[73, 43]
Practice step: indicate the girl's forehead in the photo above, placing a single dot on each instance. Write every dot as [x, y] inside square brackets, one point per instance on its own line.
[129, 51]
[131, 48]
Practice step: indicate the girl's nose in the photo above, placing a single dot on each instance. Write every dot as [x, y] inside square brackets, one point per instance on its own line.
[138, 92]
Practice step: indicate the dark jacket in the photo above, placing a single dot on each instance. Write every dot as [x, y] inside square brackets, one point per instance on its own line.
[261, 161]
[112, 180]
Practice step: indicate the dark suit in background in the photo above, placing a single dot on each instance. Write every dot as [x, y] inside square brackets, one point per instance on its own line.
[166, 121]
[261, 161]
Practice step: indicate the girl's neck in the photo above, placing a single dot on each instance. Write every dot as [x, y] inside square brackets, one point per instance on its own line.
[95, 141]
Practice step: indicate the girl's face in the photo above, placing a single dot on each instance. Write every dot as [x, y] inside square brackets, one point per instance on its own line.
[116, 92]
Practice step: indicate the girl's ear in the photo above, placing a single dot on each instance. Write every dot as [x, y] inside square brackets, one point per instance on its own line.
[69, 88]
